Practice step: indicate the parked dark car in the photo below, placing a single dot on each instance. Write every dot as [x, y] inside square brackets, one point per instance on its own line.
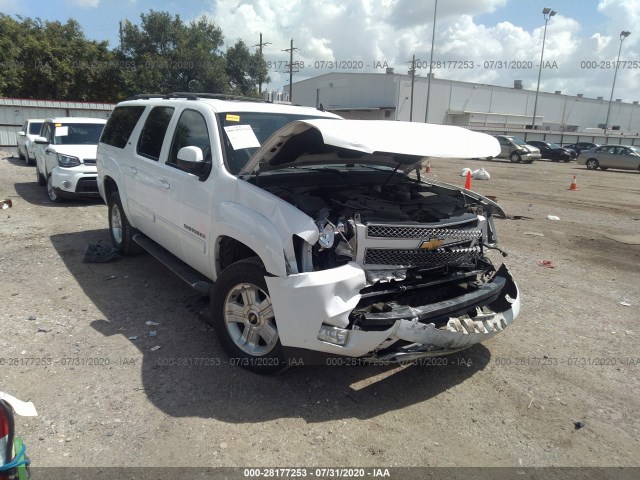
[580, 146]
[552, 151]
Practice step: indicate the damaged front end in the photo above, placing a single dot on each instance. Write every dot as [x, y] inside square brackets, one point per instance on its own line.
[400, 270]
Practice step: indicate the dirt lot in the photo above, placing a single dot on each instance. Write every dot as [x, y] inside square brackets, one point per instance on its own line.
[104, 399]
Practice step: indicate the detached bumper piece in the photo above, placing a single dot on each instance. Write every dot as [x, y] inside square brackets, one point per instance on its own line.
[487, 311]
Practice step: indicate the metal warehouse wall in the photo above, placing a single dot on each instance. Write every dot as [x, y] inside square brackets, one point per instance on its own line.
[14, 112]
[450, 98]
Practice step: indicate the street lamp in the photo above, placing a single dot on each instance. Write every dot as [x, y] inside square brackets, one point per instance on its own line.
[623, 34]
[433, 41]
[548, 13]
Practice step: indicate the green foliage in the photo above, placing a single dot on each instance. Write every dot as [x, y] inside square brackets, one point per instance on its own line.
[54, 60]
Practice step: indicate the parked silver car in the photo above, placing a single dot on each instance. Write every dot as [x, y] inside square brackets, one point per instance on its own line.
[517, 150]
[624, 157]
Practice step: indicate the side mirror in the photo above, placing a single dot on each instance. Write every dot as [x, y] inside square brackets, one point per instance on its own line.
[21, 134]
[41, 141]
[191, 155]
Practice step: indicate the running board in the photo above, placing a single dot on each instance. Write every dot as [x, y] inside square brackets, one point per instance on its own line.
[195, 279]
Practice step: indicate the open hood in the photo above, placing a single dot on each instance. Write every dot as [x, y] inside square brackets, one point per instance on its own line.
[371, 142]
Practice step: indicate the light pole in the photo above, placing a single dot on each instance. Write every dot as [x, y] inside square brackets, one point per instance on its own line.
[623, 34]
[433, 41]
[548, 13]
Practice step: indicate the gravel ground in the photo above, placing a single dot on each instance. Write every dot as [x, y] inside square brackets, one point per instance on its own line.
[106, 398]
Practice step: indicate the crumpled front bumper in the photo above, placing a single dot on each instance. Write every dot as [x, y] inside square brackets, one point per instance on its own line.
[304, 302]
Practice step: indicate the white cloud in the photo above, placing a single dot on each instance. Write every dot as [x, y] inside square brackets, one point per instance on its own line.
[85, 3]
[392, 31]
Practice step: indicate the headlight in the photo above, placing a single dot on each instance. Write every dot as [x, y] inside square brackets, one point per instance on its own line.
[327, 236]
[68, 161]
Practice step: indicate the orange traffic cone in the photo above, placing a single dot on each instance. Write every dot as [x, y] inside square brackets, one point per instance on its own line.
[428, 169]
[467, 184]
[574, 184]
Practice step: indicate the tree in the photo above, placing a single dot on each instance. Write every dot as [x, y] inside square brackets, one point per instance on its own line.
[244, 69]
[164, 54]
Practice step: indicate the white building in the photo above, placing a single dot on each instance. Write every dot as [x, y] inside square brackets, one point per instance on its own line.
[559, 118]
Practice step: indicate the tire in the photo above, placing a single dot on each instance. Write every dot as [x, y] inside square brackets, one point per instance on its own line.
[592, 164]
[120, 230]
[27, 160]
[515, 157]
[51, 192]
[243, 318]
[39, 177]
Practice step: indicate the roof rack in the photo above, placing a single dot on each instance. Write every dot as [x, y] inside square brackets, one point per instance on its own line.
[194, 96]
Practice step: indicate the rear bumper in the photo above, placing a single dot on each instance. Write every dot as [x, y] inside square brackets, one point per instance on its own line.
[304, 302]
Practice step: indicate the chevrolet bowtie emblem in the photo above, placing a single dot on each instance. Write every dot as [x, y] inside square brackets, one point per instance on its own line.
[431, 244]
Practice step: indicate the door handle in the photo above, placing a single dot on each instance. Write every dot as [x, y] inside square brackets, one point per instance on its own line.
[133, 169]
[164, 183]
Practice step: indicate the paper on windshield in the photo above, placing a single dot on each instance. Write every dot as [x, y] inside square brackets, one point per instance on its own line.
[242, 136]
[62, 131]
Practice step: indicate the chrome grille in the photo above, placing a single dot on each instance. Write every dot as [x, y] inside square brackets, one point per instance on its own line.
[387, 231]
[420, 257]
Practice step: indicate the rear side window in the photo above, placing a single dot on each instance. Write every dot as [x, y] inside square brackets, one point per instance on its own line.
[153, 132]
[120, 125]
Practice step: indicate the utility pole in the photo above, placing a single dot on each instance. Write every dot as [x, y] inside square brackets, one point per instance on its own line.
[291, 71]
[433, 41]
[413, 77]
[260, 45]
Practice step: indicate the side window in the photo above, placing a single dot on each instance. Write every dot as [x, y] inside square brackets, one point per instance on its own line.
[152, 135]
[46, 132]
[120, 125]
[502, 141]
[191, 131]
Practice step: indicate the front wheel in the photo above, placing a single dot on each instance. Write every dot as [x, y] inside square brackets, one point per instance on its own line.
[39, 177]
[51, 191]
[592, 164]
[244, 319]
[120, 229]
[515, 158]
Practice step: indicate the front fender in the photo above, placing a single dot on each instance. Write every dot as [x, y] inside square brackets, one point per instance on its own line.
[254, 231]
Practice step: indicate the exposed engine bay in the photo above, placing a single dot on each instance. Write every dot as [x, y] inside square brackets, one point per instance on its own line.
[420, 245]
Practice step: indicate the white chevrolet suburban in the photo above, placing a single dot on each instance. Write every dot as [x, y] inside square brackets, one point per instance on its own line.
[312, 234]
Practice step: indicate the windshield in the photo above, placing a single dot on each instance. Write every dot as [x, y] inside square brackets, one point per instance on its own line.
[635, 150]
[554, 145]
[77, 133]
[244, 132]
[34, 128]
[518, 141]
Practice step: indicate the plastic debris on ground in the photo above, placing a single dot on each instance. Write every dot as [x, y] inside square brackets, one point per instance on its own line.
[553, 217]
[535, 234]
[150, 323]
[98, 253]
[464, 172]
[480, 174]
[153, 333]
[157, 347]
[133, 337]
[546, 263]
[624, 302]
[6, 203]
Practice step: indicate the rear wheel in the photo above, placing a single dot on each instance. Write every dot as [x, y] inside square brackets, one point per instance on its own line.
[120, 229]
[515, 157]
[592, 164]
[39, 177]
[244, 319]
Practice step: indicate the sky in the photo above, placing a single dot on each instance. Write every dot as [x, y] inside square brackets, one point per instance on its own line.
[481, 41]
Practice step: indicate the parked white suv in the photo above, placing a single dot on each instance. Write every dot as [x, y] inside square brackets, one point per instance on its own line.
[313, 234]
[66, 156]
[30, 130]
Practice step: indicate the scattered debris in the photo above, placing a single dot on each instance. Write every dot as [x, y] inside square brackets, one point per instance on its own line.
[32, 317]
[153, 333]
[42, 330]
[150, 323]
[6, 203]
[223, 445]
[133, 337]
[624, 302]
[464, 171]
[98, 253]
[480, 174]
[546, 263]
[535, 234]
[553, 217]
[578, 425]
[157, 347]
